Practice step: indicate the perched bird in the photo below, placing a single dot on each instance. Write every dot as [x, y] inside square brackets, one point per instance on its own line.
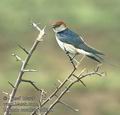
[73, 43]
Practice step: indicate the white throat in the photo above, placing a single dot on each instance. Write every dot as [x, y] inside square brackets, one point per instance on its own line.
[59, 29]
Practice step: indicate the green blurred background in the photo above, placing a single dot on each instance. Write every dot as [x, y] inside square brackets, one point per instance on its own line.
[97, 21]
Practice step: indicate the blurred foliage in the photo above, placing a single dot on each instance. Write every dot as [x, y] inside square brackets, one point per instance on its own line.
[97, 21]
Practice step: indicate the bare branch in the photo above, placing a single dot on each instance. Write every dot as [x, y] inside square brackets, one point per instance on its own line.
[68, 106]
[35, 111]
[80, 61]
[59, 87]
[80, 80]
[5, 93]
[41, 100]
[66, 89]
[36, 26]
[59, 97]
[32, 83]
[24, 64]
[54, 92]
[62, 84]
[23, 49]
[17, 57]
[30, 70]
[11, 84]
[38, 111]
[91, 73]
[42, 32]
[59, 81]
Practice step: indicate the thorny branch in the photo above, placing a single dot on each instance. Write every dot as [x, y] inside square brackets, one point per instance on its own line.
[59, 91]
[17, 57]
[32, 83]
[58, 88]
[24, 64]
[67, 105]
[11, 84]
[53, 93]
[66, 89]
[23, 49]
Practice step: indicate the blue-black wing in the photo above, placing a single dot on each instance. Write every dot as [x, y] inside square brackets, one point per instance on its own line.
[69, 37]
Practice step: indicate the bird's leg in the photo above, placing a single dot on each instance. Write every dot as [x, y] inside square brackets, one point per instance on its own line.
[67, 53]
[98, 66]
[71, 58]
[74, 56]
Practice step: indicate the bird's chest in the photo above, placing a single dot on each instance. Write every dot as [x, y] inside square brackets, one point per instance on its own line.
[65, 46]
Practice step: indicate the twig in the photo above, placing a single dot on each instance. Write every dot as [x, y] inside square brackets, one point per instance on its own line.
[67, 105]
[17, 58]
[80, 61]
[82, 71]
[24, 64]
[30, 70]
[80, 80]
[55, 91]
[11, 84]
[6, 93]
[38, 109]
[59, 97]
[32, 83]
[34, 112]
[61, 83]
[67, 88]
[40, 100]
[92, 73]
[23, 49]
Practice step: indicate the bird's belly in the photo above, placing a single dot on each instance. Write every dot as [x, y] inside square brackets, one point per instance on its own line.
[67, 47]
[83, 52]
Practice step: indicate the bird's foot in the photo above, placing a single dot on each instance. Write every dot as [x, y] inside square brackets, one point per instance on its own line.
[71, 59]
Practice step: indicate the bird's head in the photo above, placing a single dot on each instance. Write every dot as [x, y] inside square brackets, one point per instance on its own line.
[59, 26]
